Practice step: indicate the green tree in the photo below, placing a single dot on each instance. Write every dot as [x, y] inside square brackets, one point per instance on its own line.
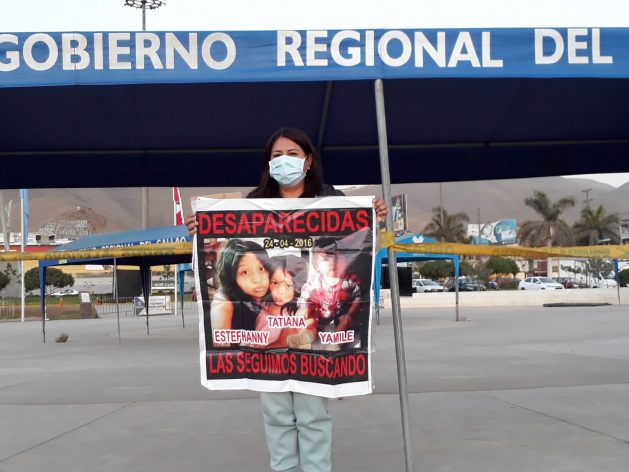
[502, 265]
[31, 279]
[10, 271]
[550, 229]
[598, 265]
[446, 227]
[6, 275]
[443, 269]
[572, 270]
[624, 278]
[54, 278]
[4, 280]
[481, 272]
[465, 268]
[435, 269]
[595, 225]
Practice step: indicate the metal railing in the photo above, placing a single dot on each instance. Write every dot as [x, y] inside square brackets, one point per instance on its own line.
[107, 305]
[7, 309]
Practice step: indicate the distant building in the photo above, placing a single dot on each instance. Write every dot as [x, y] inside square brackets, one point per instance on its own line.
[67, 229]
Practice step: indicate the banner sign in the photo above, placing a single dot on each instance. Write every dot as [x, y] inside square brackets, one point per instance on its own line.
[399, 213]
[496, 232]
[52, 59]
[285, 294]
[158, 305]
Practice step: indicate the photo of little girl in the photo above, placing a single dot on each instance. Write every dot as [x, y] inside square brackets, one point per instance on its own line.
[287, 275]
[244, 282]
[332, 296]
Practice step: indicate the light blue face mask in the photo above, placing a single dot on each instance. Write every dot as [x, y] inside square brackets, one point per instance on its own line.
[288, 171]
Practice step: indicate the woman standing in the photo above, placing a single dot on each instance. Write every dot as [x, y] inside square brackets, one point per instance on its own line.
[298, 427]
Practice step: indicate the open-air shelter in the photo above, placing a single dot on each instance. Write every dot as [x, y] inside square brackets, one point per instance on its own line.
[382, 257]
[164, 234]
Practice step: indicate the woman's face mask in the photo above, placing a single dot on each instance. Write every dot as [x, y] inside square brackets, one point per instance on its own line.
[287, 170]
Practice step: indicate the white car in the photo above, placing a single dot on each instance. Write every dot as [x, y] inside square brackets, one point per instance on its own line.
[426, 285]
[539, 283]
[603, 282]
[64, 292]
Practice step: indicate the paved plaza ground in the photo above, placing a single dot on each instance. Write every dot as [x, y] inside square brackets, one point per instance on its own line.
[511, 389]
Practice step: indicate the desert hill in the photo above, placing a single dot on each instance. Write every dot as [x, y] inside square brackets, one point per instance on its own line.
[498, 199]
[115, 209]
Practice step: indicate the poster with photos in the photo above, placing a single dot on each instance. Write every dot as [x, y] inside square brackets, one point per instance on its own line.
[284, 293]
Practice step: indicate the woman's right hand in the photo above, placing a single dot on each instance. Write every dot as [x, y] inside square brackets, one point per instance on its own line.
[191, 224]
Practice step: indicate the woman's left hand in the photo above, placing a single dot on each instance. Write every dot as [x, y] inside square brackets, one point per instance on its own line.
[381, 209]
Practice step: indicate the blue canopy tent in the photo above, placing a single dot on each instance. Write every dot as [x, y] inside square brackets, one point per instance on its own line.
[476, 104]
[383, 258]
[165, 234]
[188, 108]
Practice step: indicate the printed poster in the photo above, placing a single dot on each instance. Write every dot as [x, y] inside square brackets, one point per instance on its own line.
[495, 232]
[285, 294]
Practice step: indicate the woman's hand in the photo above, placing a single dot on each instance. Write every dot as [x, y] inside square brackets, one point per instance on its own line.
[381, 209]
[191, 224]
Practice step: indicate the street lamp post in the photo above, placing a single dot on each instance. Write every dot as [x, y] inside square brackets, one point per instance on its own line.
[144, 5]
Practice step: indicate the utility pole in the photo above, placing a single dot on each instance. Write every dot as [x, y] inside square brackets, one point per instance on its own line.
[144, 5]
[441, 210]
[5, 221]
[587, 197]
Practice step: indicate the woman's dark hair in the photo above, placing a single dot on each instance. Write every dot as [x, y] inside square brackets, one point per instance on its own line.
[228, 264]
[313, 183]
[297, 268]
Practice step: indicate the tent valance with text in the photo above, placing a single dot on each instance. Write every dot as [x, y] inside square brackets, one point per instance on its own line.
[93, 58]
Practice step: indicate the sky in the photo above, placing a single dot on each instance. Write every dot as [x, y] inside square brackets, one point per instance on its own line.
[203, 15]
[209, 15]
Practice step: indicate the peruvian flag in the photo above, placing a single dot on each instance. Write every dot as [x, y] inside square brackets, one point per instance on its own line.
[178, 211]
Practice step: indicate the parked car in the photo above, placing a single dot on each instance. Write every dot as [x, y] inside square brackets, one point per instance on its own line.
[539, 283]
[571, 282]
[64, 292]
[466, 284]
[506, 282]
[426, 285]
[601, 281]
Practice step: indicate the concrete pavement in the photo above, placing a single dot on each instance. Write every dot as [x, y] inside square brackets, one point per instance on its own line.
[518, 389]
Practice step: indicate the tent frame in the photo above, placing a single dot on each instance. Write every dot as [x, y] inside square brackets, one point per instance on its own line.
[393, 278]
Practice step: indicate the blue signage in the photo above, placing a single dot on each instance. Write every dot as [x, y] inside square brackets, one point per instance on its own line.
[52, 59]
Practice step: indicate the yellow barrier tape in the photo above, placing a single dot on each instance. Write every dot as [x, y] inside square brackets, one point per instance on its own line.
[162, 249]
[387, 240]
[611, 252]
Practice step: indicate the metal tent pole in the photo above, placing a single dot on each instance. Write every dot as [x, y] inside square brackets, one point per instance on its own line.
[617, 273]
[180, 275]
[457, 271]
[393, 278]
[176, 289]
[116, 297]
[145, 274]
[42, 298]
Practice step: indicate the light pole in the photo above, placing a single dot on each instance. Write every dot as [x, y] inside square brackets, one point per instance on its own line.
[144, 5]
[441, 210]
[587, 197]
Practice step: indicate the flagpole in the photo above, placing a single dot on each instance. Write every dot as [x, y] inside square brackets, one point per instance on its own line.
[24, 242]
[177, 220]
[175, 192]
